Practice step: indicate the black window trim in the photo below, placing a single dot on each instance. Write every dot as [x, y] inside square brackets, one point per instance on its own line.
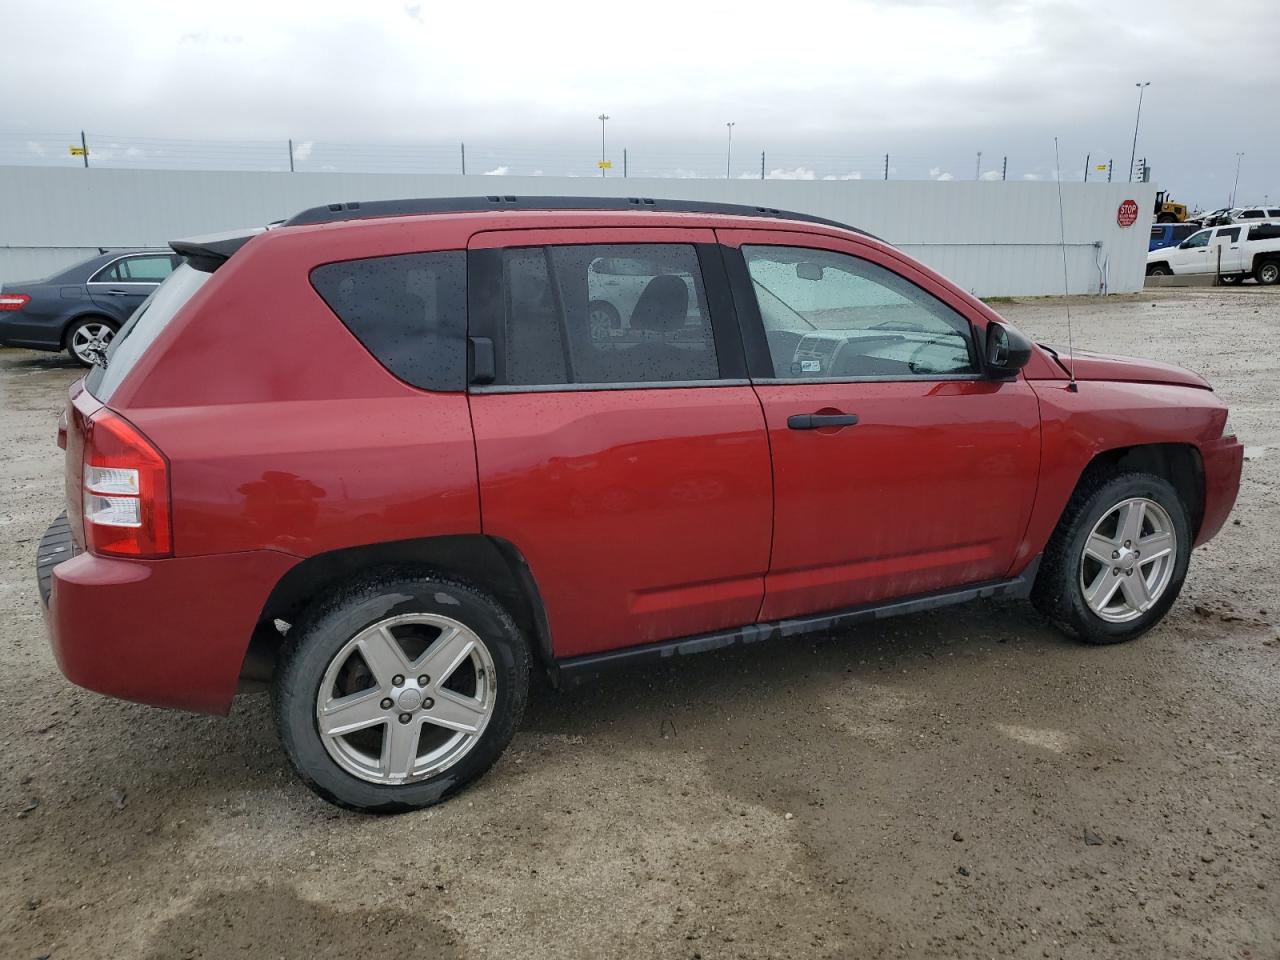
[486, 316]
[759, 357]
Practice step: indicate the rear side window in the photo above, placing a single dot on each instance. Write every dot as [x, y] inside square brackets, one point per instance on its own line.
[141, 329]
[605, 314]
[409, 311]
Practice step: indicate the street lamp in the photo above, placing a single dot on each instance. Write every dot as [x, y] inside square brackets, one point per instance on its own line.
[1237, 183]
[602, 118]
[1133, 155]
[728, 156]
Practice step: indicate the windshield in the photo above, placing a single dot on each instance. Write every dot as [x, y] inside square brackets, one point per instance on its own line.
[141, 330]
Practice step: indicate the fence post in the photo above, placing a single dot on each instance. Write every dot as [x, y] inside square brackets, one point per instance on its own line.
[886, 166]
[761, 164]
[84, 146]
[624, 163]
[1109, 163]
[463, 148]
[1087, 156]
[291, 154]
[1004, 169]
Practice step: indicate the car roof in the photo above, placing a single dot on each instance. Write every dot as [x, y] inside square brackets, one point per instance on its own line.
[208, 252]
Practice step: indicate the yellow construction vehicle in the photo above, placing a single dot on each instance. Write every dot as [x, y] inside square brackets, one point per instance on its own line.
[1167, 211]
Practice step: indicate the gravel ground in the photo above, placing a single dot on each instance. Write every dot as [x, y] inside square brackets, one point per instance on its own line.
[966, 783]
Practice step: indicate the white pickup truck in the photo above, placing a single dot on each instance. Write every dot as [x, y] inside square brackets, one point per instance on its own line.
[1234, 251]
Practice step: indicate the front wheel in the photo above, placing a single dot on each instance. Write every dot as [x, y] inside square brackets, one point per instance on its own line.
[1166, 218]
[399, 692]
[1117, 560]
[1159, 270]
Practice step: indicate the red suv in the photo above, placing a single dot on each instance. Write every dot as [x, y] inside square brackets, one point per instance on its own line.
[392, 456]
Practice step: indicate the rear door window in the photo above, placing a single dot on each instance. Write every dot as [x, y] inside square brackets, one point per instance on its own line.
[605, 314]
[409, 311]
[145, 269]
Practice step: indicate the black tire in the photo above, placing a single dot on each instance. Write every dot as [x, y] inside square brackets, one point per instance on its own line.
[1230, 279]
[1267, 272]
[1058, 594]
[1159, 270]
[324, 630]
[1166, 218]
[82, 324]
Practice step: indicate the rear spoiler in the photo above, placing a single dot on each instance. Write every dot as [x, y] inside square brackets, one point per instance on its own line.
[209, 252]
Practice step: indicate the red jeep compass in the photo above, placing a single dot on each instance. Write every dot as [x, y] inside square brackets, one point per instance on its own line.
[393, 455]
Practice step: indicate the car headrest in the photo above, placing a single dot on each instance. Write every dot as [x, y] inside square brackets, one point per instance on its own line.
[663, 305]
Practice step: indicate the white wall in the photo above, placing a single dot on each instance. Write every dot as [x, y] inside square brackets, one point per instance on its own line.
[994, 239]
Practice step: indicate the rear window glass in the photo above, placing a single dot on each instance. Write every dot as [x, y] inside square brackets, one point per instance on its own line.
[141, 330]
[409, 311]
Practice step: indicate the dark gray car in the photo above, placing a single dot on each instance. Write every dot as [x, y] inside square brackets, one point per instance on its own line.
[80, 308]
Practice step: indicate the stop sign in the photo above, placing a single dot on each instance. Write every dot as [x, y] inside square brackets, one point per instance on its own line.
[1127, 214]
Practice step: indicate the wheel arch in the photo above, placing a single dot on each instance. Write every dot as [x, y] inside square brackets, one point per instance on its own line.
[490, 563]
[1179, 463]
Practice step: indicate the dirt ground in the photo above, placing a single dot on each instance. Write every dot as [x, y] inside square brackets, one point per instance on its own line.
[961, 784]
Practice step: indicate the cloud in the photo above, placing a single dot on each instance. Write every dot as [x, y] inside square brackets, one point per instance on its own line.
[302, 151]
[499, 171]
[851, 175]
[796, 173]
[36, 148]
[937, 173]
[990, 175]
[1032, 176]
[414, 12]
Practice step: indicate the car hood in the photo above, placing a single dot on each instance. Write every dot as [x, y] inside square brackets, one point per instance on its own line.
[1101, 366]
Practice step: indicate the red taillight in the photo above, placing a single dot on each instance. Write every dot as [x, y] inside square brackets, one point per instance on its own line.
[125, 490]
[13, 301]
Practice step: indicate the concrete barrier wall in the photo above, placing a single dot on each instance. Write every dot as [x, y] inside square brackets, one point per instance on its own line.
[993, 239]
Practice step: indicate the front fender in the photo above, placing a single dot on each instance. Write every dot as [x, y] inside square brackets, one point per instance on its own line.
[1077, 426]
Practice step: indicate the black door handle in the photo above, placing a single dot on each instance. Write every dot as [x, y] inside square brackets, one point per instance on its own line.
[812, 421]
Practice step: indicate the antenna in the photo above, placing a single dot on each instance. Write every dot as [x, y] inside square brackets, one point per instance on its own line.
[1066, 287]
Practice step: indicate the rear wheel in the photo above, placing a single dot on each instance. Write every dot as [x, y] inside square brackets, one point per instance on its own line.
[400, 691]
[1267, 272]
[1166, 218]
[88, 338]
[1117, 560]
[1229, 279]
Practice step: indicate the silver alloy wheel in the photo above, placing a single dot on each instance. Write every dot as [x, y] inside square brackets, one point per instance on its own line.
[1269, 273]
[406, 698]
[600, 322]
[1128, 560]
[90, 340]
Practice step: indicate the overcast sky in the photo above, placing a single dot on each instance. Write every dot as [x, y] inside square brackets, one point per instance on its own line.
[824, 88]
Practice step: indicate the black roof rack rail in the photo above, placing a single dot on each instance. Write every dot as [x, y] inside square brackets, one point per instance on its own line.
[212, 250]
[360, 210]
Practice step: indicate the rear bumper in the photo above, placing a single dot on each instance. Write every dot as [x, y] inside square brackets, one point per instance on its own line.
[1223, 460]
[170, 633]
[17, 331]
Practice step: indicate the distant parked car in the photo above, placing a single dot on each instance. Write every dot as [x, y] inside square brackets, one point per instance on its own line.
[1170, 234]
[81, 308]
[1266, 214]
[1236, 251]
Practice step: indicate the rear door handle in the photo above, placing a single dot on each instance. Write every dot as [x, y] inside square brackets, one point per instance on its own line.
[118, 293]
[812, 421]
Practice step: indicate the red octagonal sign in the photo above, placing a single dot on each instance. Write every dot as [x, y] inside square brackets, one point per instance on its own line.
[1127, 215]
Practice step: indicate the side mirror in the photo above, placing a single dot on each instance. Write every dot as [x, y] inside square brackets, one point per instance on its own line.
[1008, 351]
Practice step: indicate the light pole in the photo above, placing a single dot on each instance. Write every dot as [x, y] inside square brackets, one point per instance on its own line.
[728, 155]
[1133, 154]
[1239, 156]
[602, 118]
